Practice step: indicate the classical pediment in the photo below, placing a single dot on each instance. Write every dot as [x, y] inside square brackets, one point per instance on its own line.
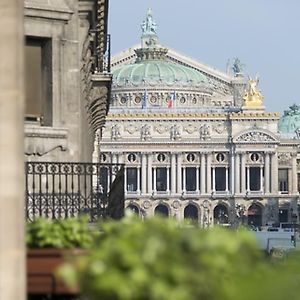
[255, 136]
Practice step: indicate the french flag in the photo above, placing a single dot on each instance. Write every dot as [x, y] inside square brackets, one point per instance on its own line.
[171, 101]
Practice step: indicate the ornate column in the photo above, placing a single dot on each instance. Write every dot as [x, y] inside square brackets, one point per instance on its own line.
[267, 173]
[149, 173]
[202, 174]
[197, 179]
[184, 179]
[173, 173]
[144, 173]
[243, 173]
[213, 179]
[179, 179]
[154, 180]
[168, 179]
[248, 179]
[231, 175]
[274, 173]
[261, 179]
[237, 179]
[294, 174]
[208, 173]
[138, 189]
[125, 179]
[226, 182]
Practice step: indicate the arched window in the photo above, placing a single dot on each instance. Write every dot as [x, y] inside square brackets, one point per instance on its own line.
[191, 212]
[134, 208]
[161, 210]
[220, 214]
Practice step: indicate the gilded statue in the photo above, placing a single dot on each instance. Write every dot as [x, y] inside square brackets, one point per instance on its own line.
[252, 96]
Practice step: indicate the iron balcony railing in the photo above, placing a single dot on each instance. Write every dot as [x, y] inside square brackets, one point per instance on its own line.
[62, 190]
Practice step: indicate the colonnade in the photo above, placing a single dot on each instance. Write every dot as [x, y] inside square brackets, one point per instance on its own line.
[237, 173]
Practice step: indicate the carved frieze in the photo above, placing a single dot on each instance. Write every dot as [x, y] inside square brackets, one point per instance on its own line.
[255, 136]
[284, 158]
[190, 128]
[161, 128]
[131, 129]
[219, 127]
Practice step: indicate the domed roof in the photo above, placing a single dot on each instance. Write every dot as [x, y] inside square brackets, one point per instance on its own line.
[157, 72]
[290, 121]
[152, 66]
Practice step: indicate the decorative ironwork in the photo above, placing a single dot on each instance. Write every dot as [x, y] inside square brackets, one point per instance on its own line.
[63, 190]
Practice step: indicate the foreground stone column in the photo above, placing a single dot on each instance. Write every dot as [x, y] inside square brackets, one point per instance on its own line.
[12, 248]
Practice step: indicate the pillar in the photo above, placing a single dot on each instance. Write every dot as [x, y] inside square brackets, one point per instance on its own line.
[274, 174]
[173, 173]
[149, 172]
[144, 173]
[237, 179]
[12, 186]
[208, 173]
[202, 174]
[243, 174]
[184, 179]
[179, 179]
[267, 173]
[294, 174]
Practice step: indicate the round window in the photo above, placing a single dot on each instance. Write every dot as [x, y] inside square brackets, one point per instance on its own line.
[190, 157]
[161, 157]
[131, 157]
[254, 157]
[220, 157]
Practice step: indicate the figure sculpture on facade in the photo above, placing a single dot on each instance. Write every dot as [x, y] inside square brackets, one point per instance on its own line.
[145, 133]
[115, 133]
[253, 97]
[175, 133]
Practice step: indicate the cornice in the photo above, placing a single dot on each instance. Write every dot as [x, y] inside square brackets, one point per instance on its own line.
[192, 115]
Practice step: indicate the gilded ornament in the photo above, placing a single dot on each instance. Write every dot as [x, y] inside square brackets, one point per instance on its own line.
[253, 97]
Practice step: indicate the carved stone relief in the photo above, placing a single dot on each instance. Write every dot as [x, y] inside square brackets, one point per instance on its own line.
[219, 128]
[175, 133]
[115, 133]
[131, 128]
[190, 128]
[205, 132]
[145, 132]
[284, 158]
[255, 137]
[161, 128]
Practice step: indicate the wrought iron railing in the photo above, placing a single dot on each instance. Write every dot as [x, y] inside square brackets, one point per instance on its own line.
[62, 190]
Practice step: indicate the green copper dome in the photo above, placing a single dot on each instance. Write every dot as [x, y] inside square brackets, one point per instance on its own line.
[290, 121]
[157, 72]
[152, 66]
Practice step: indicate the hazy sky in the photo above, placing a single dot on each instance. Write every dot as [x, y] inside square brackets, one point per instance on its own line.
[263, 34]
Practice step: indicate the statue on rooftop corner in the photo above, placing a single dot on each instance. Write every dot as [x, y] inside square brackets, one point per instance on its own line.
[149, 25]
[237, 67]
[252, 96]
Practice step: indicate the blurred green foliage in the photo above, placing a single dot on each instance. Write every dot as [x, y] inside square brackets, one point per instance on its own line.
[64, 233]
[159, 260]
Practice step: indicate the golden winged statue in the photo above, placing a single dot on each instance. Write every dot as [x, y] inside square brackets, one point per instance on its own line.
[252, 96]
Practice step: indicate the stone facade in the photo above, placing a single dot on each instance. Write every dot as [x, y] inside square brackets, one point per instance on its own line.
[211, 156]
[72, 35]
